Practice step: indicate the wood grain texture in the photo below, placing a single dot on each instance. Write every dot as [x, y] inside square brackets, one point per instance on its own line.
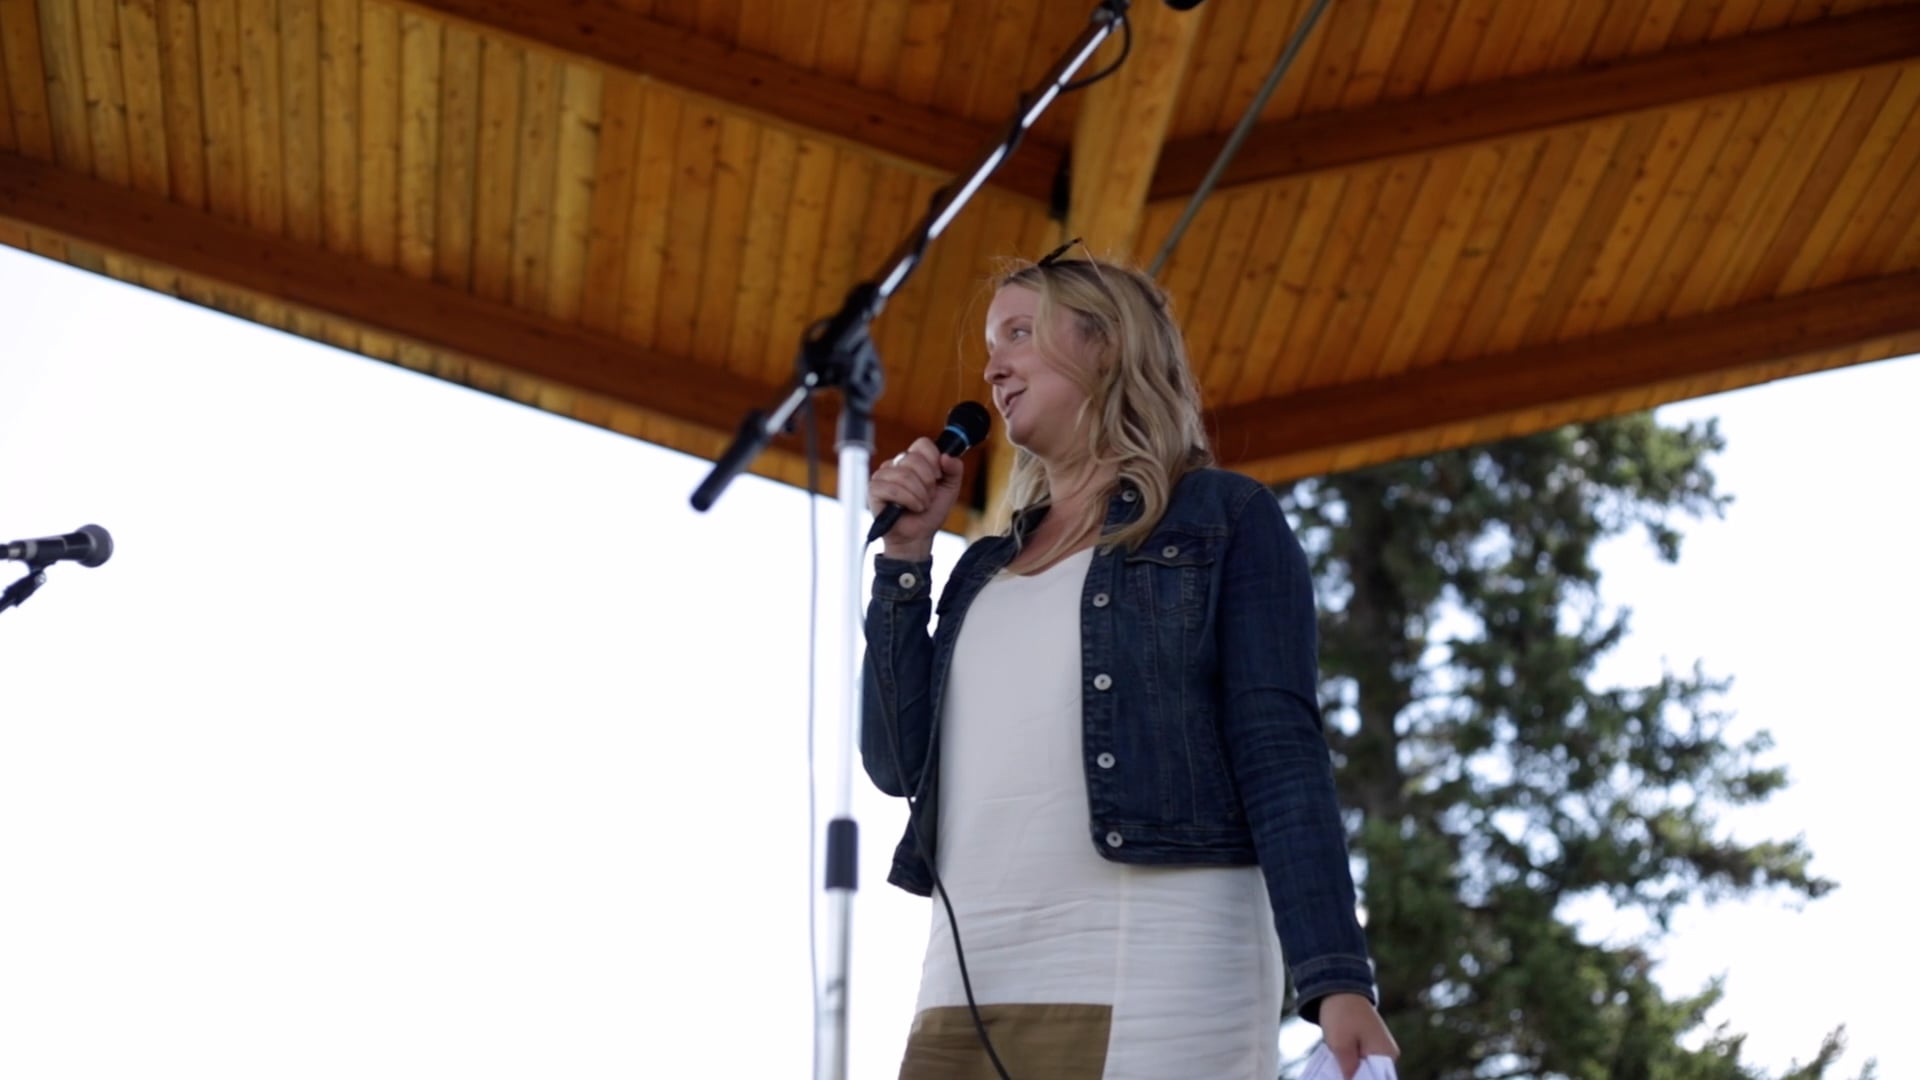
[765, 233]
[97, 27]
[457, 189]
[1301, 249]
[301, 120]
[340, 128]
[529, 344]
[1586, 212]
[1323, 285]
[647, 230]
[1231, 54]
[577, 153]
[622, 109]
[1335, 354]
[1392, 290]
[1228, 354]
[379, 115]
[685, 250]
[261, 114]
[724, 246]
[496, 168]
[418, 137]
[1734, 216]
[535, 173]
[66, 85]
[597, 174]
[1575, 312]
[1803, 185]
[8, 139]
[20, 45]
[1439, 262]
[1386, 36]
[1464, 39]
[897, 123]
[1548, 101]
[1883, 149]
[223, 111]
[1540, 377]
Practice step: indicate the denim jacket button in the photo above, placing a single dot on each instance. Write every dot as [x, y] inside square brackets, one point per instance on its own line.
[1129, 495]
[1114, 839]
[1100, 600]
[1170, 551]
[1105, 761]
[908, 580]
[1102, 681]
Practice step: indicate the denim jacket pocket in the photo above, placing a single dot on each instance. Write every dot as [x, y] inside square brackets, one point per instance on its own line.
[1171, 573]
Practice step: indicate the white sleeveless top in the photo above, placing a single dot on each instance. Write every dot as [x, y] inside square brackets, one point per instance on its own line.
[1186, 957]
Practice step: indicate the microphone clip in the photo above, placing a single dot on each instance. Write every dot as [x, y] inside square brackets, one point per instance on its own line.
[17, 593]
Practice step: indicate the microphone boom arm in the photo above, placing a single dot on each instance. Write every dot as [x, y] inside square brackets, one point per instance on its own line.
[835, 350]
[838, 353]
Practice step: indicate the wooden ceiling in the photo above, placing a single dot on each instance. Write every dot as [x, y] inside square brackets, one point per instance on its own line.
[1455, 221]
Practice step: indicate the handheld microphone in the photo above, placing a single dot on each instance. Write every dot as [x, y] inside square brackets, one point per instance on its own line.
[967, 427]
[91, 546]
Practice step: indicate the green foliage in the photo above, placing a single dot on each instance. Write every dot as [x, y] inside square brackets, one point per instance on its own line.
[1493, 786]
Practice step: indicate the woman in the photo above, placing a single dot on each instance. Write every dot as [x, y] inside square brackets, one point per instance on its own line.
[1112, 742]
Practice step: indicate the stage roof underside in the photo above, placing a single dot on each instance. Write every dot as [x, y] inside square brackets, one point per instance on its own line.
[1456, 220]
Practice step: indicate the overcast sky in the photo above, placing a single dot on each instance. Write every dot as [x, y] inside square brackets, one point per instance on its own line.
[413, 732]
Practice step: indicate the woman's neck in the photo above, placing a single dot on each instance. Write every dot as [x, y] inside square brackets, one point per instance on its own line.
[1069, 525]
[1069, 490]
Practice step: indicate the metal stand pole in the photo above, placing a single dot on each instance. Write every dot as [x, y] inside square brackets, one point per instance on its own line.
[838, 354]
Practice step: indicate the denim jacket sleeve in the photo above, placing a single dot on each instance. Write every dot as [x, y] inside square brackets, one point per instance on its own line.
[896, 707]
[1279, 757]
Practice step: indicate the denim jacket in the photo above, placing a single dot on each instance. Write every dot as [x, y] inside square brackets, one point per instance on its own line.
[1201, 731]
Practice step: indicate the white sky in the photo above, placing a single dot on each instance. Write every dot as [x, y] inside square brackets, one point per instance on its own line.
[412, 732]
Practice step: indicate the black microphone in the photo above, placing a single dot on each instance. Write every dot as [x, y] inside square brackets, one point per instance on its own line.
[967, 427]
[91, 546]
[1183, 5]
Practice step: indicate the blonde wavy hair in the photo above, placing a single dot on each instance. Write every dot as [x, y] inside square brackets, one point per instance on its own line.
[1142, 416]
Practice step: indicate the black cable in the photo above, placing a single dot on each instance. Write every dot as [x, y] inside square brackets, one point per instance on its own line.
[893, 739]
[939, 887]
[1239, 135]
[1126, 49]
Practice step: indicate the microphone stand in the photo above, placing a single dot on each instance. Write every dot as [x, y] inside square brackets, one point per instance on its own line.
[837, 353]
[17, 593]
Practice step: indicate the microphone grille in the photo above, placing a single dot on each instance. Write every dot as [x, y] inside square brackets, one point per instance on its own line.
[970, 418]
[102, 545]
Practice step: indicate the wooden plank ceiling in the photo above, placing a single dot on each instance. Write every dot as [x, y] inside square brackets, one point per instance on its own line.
[1456, 220]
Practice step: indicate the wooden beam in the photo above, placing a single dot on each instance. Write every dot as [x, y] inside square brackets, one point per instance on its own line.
[609, 33]
[1122, 123]
[1609, 363]
[91, 212]
[1487, 111]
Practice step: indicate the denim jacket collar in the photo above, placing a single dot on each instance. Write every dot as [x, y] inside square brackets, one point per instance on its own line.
[1123, 506]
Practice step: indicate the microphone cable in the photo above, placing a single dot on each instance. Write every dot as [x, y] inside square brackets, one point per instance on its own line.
[893, 739]
[811, 432]
[1126, 50]
[939, 887]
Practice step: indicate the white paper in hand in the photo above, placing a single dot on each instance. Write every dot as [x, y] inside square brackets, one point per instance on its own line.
[1323, 1066]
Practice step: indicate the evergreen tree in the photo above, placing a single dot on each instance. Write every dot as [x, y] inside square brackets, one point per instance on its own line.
[1491, 785]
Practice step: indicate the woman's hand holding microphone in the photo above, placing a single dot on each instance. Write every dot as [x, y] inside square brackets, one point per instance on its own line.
[923, 484]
